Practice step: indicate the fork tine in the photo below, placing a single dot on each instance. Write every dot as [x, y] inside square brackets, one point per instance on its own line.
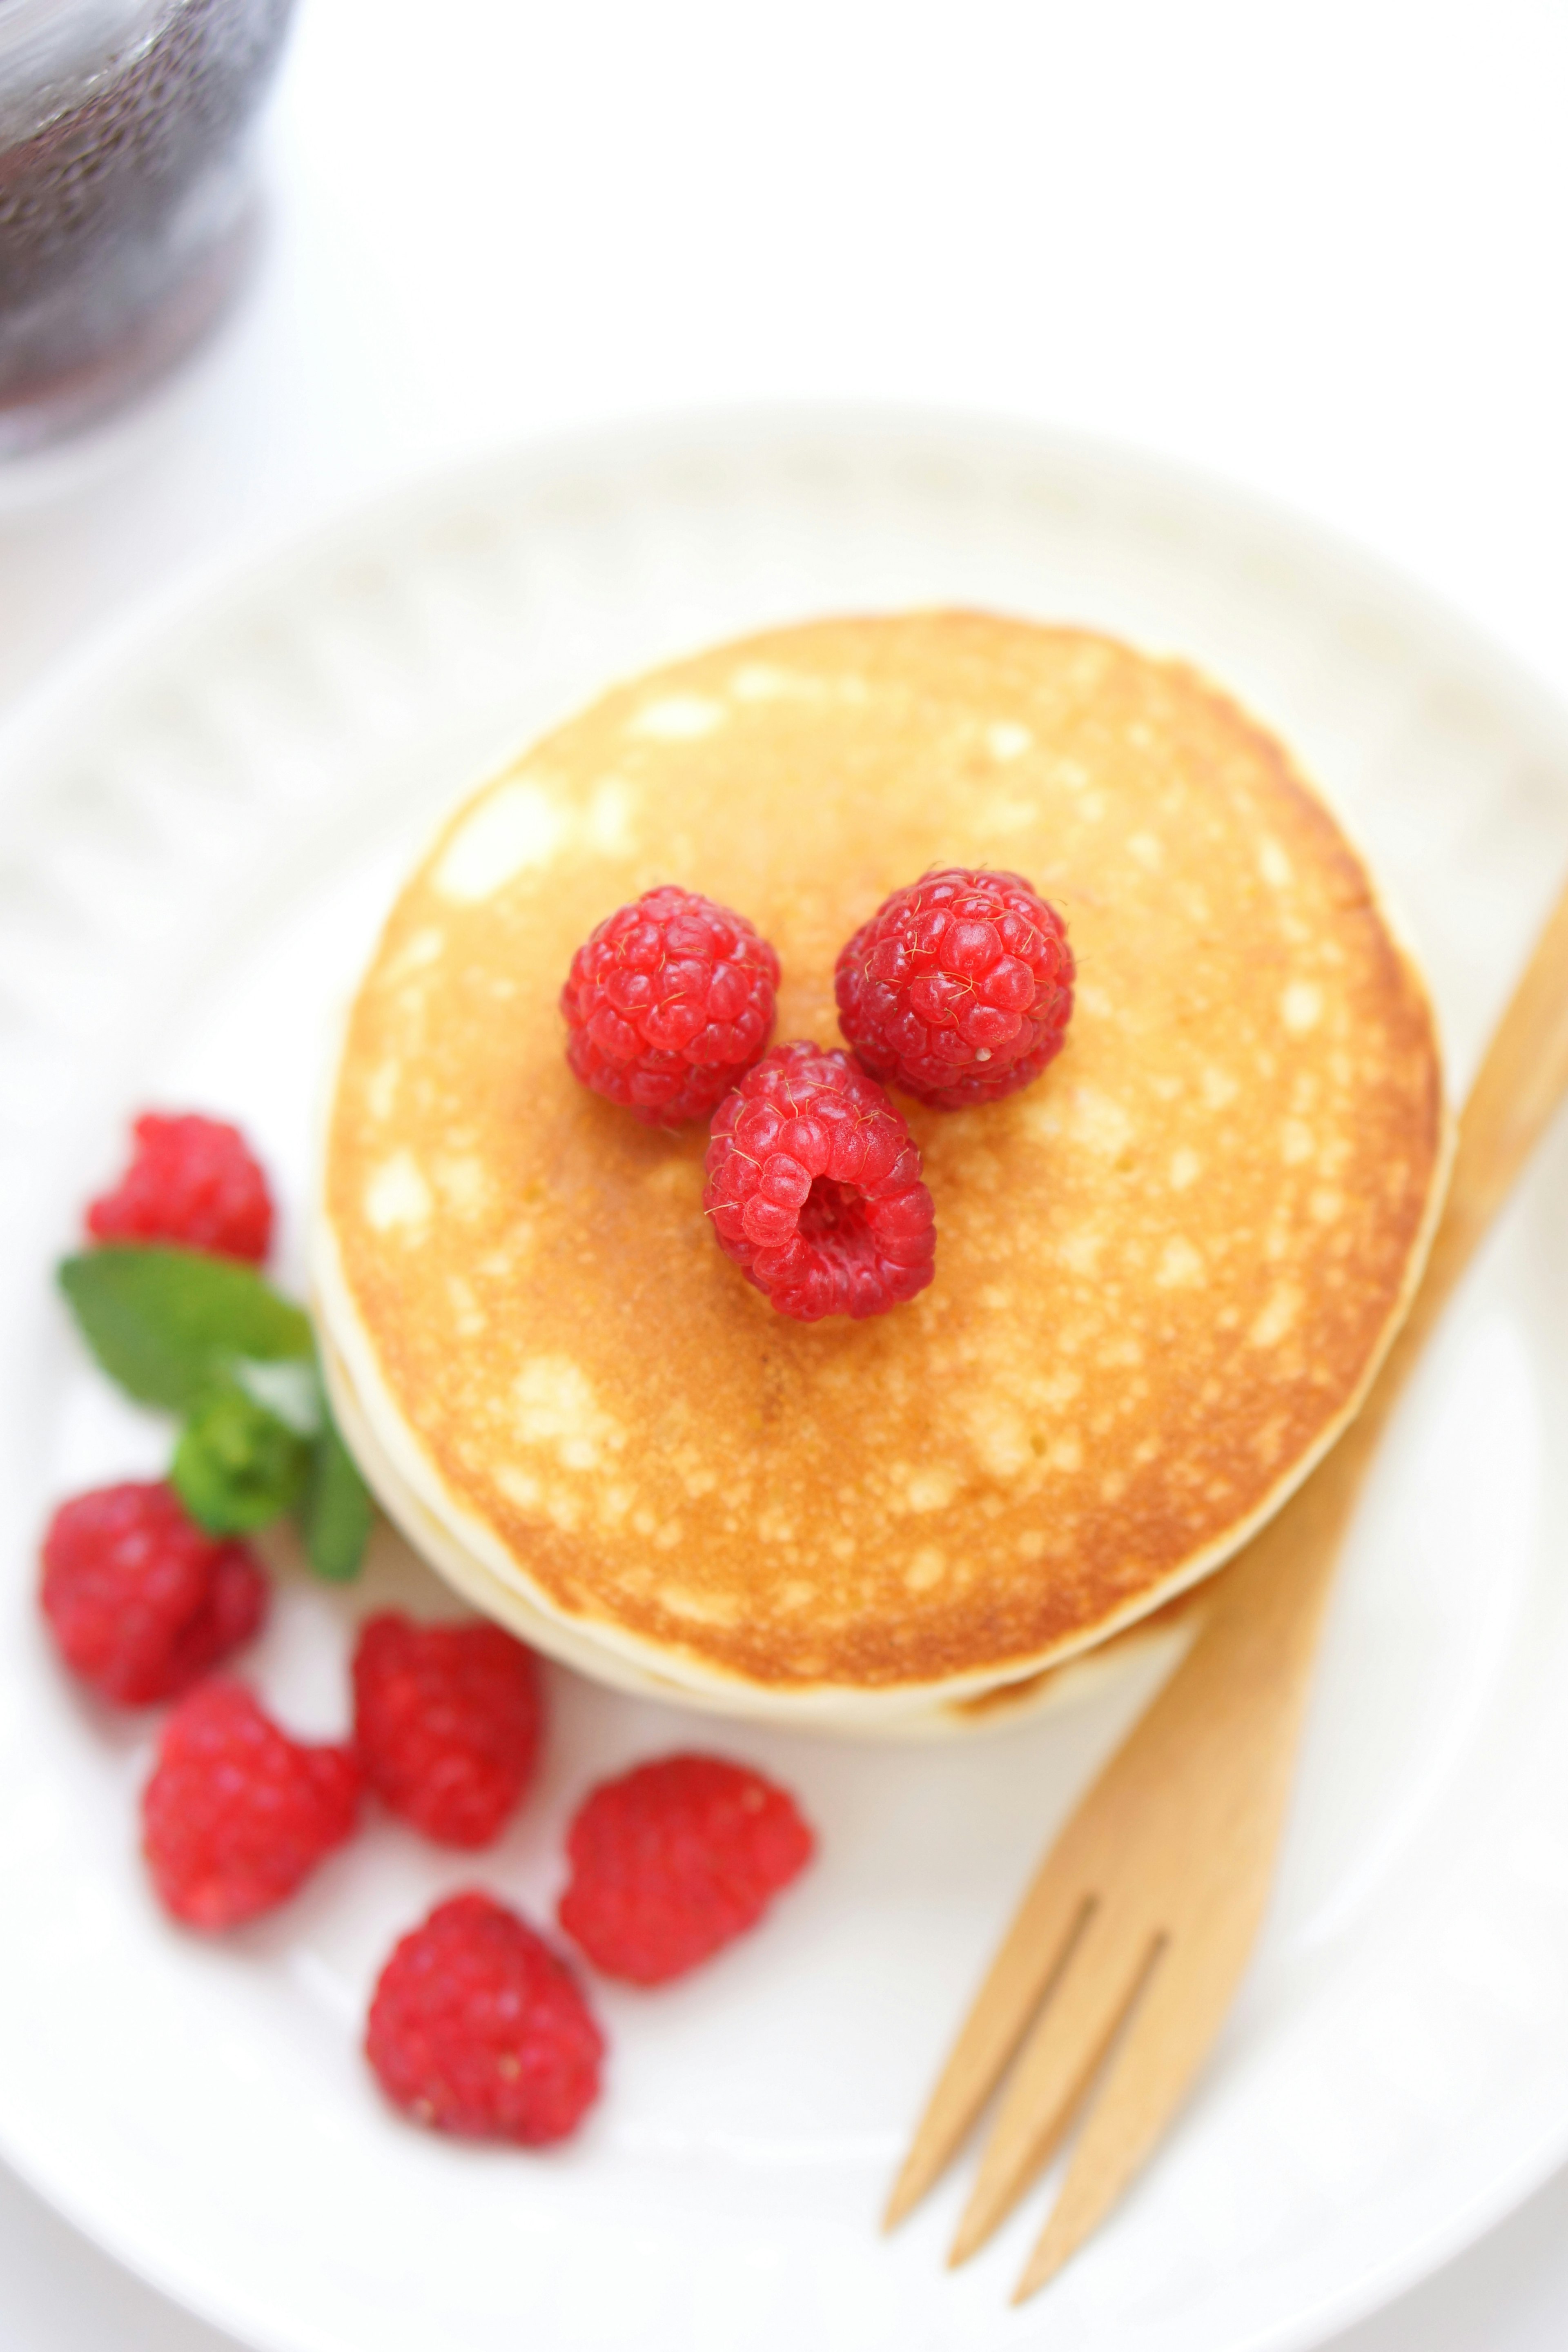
[1167, 2040]
[1064, 2052]
[1038, 1946]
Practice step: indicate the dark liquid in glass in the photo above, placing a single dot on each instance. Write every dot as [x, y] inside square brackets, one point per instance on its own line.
[125, 206]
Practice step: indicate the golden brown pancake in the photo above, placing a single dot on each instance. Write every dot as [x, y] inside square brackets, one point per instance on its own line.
[1151, 1644]
[1165, 1271]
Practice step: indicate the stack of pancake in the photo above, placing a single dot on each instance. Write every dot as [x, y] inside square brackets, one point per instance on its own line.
[1166, 1271]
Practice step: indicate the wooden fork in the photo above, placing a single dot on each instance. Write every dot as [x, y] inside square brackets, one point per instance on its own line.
[1125, 1952]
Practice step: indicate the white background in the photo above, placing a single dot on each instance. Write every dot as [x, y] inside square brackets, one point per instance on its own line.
[1318, 247]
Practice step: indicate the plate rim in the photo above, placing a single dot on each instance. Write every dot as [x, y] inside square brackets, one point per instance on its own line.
[242, 565]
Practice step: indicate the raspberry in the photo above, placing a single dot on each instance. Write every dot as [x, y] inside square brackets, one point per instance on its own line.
[236, 1815]
[959, 989]
[141, 1601]
[674, 1860]
[191, 1181]
[667, 1004]
[447, 1723]
[814, 1187]
[476, 2027]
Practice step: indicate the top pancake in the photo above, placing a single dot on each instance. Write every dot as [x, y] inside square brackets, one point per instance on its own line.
[1165, 1271]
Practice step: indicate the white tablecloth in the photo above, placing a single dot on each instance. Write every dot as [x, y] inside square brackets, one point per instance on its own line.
[1320, 249]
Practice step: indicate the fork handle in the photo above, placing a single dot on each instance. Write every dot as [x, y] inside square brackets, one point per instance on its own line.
[1516, 1091]
[1273, 1595]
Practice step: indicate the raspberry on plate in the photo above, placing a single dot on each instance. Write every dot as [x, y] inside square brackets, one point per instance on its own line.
[666, 1002]
[141, 1602]
[673, 1861]
[194, 1182]
[476, 2027]
[447, 1723]
[959, 989]
[814, 1187]
[236, 1815]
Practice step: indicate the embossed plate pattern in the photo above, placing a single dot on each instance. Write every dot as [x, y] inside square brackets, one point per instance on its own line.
[198, 828]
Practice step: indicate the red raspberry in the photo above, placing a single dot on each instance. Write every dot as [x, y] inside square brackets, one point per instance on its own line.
[673, 1861]
[814, 1187]
[236, 1815]
[667, 1004]
[141, 1602]
[959, 989]
[447, 1723]
[192, 1181]
[476, 2027]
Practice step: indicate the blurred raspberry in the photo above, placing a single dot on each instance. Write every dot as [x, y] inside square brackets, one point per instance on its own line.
[193, 1181]
[446, 1724]
[673, 1861]
[236, 1815]
[667, 1004]
[477, 2028]
[140, 1600]
[959, 989]
[814, 1187]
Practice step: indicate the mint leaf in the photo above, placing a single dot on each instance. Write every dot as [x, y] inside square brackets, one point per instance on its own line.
[290, 1391]
[237, 1466]
[169, 1324]
[336, 1516]
[209, 1338]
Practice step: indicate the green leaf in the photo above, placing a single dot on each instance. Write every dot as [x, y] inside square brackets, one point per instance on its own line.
[169, 1324]
[290, 1391]
[236, 1465]
[208, 1337]
[337, 1513]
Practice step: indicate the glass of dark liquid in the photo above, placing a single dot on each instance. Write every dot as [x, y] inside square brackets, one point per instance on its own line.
[127, 206]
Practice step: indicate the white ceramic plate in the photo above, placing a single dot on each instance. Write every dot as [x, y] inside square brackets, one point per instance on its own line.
[199, 830]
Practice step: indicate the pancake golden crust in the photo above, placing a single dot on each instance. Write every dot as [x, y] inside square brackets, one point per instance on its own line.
[1164, 1272]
